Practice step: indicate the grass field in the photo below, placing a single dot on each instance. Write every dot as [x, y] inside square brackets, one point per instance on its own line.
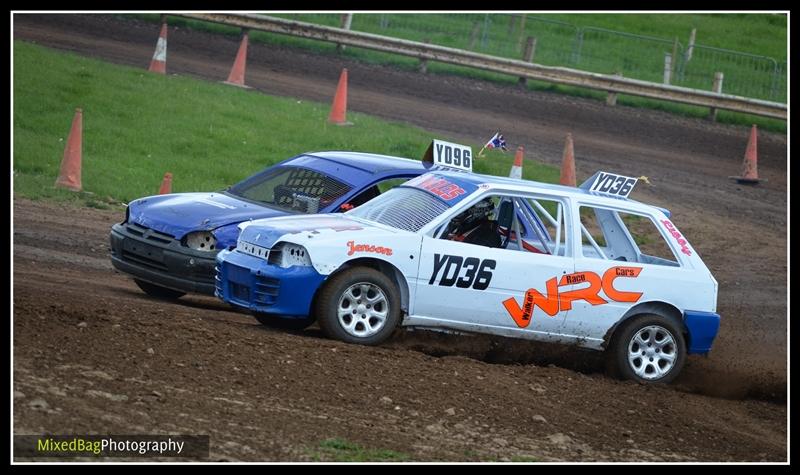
[137, 126]
[761, 34]
[601, 51]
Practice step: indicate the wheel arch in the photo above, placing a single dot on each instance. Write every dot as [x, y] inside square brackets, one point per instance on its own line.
[385, 267]
[664, 309]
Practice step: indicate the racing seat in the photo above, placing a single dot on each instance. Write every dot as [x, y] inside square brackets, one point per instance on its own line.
[505, 218]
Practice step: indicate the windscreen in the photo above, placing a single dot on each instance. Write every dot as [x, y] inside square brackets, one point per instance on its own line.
[403, 207]
[293, 189]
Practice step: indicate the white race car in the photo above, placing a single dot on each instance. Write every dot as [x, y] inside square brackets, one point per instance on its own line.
[476, 253]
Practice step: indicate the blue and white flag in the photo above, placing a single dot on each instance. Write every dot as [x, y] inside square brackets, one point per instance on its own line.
[497, 142]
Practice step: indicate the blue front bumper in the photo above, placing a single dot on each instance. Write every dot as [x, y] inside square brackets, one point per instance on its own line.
[703, 328]
[250, 282]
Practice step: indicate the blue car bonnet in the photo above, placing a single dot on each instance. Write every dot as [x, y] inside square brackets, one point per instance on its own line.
[181, 213]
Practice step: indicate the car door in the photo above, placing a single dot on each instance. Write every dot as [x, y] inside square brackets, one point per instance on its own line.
[497, 290]
[622, 260]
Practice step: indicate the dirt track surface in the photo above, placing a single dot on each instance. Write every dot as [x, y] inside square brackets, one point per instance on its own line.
[92, 353]
[268, 394]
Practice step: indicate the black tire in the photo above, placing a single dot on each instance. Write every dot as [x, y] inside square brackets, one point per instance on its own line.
[664, 337]
[159, 292]
[333, 293]
[274, 321]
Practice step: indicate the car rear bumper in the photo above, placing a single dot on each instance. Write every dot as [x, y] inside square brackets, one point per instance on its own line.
[161, 259]
[703, 328]
[250, 282]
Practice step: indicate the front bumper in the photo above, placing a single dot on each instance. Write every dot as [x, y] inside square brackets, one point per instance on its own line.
[250, 282]
[161, 259]
[702, 328]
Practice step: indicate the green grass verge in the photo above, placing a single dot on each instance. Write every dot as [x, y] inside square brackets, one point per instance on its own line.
[338, 450]
[766, 35]
[138, 125]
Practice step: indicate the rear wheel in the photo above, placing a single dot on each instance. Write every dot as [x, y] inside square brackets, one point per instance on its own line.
[361, 305]
[275, 321]
[159, 292]
[650, 349]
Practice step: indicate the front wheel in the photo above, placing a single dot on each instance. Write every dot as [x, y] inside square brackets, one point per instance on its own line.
[649, 349]
[361, 305]
[159, 292]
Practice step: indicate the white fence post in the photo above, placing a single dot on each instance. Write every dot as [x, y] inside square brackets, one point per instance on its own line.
[347, 21]
[690, 48]
[717, 87]
[423, 63]
[521, 31]
[611, 98]
[473, 35]
[530, 52]
[667, 67]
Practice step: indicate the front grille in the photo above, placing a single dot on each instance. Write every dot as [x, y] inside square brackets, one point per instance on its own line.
[243, 289]
[238, 282]
[149, 234]
[152, 263]
[266, 291]
[240, 292]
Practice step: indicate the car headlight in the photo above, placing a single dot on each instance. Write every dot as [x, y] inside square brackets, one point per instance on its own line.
[287, 255]
[200, 241]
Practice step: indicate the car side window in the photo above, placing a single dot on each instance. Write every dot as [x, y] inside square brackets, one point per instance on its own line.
[505, 222]
[620, 236]
[292, 188]
[547, 218]
[480, 224]
[371, 192]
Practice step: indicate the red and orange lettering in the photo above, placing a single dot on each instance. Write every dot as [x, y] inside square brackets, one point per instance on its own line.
[522, 316]
[555, 301]
[441, 187]
[353, 248]
[590, 294]
[617, 295]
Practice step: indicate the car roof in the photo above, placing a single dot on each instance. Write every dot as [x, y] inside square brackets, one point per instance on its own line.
[369, 162]
[478, 179]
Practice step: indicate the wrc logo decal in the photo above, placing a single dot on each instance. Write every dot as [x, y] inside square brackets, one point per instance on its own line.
[552, 302]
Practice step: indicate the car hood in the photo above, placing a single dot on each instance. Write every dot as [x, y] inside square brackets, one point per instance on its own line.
[306, 228]
[181, 213]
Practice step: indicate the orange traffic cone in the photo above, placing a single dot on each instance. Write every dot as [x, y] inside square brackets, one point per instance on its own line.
[70, 175]
[166, 184]
[159, 62]
[516, 169]
[568, 164]
[339, 110]
[750, 165]
[236, 77]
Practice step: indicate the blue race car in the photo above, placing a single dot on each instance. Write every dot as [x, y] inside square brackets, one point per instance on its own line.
[168, 243]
